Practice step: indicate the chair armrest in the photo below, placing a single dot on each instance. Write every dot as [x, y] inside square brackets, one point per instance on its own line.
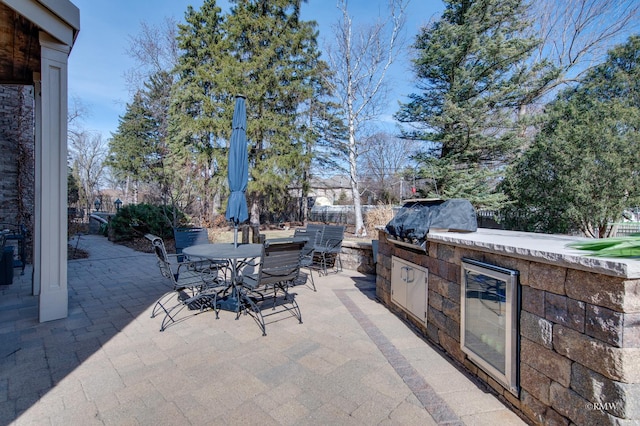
[251, 265]
[330, 246]
[250, 281]
[206, 272]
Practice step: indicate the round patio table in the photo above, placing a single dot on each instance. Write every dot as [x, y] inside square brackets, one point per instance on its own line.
[239, 256]
[224, 251]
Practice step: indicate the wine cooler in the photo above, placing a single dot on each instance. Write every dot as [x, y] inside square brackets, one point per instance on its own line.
[490, 308]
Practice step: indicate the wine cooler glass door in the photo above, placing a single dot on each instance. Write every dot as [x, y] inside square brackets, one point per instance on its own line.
[489, 319]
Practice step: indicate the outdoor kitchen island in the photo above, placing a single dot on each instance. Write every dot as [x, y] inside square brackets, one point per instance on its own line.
[574, 350]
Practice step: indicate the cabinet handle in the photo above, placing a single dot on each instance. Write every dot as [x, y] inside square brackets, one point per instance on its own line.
[406, 278]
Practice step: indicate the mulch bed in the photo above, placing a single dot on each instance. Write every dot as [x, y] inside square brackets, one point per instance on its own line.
[143, 245]
[74, 253]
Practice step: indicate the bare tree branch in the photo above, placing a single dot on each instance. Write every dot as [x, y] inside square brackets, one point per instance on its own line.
[154, 50]
[75, 114]
[383, 163]
[576, 34]
[88, 152]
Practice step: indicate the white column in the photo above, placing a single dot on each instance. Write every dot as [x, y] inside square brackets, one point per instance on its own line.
[37, 86]
[50, 248]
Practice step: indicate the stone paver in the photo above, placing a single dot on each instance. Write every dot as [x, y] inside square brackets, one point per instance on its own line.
[351, 362]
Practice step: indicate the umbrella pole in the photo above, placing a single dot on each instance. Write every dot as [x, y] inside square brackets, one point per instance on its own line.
[235, 235]
[234, 271]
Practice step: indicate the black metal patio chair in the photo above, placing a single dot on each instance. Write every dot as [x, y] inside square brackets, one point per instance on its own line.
[16, 235]
[192, 286]
[328, 247]
[191, 236]
[308, 251]
[187, 237]
[279, 267]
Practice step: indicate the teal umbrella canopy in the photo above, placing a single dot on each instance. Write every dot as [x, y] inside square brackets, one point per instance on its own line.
[238, 167]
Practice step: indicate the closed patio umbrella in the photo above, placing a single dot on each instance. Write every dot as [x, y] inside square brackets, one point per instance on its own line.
[238, 168]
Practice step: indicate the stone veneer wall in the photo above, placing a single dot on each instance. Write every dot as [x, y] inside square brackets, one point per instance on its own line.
[579, 329]
[17, 163]
[357, 256]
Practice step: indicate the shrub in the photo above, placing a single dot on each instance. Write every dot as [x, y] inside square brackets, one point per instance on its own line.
[135, 220]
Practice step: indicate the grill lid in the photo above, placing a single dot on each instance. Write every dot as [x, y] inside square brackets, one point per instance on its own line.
[416, 217]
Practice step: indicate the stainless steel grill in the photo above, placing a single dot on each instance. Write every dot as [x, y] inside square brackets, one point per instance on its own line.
[412, 223]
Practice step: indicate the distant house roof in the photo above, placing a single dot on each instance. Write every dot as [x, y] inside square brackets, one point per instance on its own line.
[333, 182]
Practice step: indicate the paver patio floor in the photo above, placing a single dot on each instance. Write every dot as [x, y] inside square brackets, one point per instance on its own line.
[351, 362]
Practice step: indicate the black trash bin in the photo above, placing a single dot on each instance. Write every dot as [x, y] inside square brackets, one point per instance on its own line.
[6, 266]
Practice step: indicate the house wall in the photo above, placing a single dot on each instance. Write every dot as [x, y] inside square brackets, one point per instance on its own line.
[8, 158]
[17, 155]
[579, 326]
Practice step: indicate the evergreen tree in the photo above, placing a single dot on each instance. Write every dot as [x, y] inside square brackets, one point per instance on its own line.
[262, 50]
[131, 147]
[172, 167]
[467, 67]
[199, 119]
[581, 172]
[139, 151]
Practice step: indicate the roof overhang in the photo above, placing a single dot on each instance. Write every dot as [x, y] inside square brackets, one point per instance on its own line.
[21, 22]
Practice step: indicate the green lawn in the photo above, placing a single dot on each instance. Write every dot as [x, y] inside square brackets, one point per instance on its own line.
[227, 236]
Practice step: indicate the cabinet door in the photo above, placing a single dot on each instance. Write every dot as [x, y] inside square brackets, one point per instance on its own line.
[398, 282]
[409, 287]
[417, 293]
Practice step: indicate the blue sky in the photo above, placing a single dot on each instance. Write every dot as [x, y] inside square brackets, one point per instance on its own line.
[99, 61]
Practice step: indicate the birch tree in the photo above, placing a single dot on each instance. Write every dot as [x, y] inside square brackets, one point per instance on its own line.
[155, 50]
[360, 58]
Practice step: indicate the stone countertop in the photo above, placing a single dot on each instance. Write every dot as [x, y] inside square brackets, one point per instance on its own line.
[545, 248]
[364, 244]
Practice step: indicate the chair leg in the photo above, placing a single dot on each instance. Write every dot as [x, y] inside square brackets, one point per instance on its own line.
[250, 308]
[216, 306]
[294, 310]
[323, 264]
[326, 258]
[160, 305]
[204, 300]
[313, 284]
[201, 300]
[297, 309]
[170, 315]
[275, 295]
